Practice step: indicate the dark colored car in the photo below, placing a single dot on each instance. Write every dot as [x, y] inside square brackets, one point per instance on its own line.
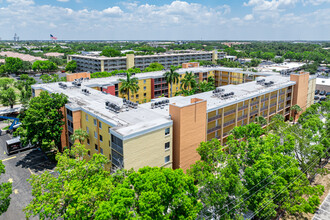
[323, 99]
[322, 93]
[316, 97]
[328, 94]
[317, 92]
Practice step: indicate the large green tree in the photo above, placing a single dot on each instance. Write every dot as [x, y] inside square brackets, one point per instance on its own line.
[13, 65]
[171, 77]
[8, 97]
[263, 176]
[43, 120]
[24, 86]
[5, 191]
[84, 190]
[71, 66]
[110, 52]
[130, 84]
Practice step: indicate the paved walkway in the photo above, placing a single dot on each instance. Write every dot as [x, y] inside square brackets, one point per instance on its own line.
[7, 110]
[323, 213]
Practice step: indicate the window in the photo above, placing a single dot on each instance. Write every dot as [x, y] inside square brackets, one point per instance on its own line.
[177, 88]
[167, 131]
[88, 141]
[100, 124]
[137, 96]
[87, 129]
[167, 145]
[101, 149]
[109, 129]
[144, 81]
[69, 112]
[89, 153]
[96, 147]
[144, 88]
[167, 159]
[95, 134]
[95, 122]
[101, 138]
[145, 94]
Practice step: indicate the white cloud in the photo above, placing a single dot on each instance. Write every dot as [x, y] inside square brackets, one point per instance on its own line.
[263, 5]
[62, 0]
[248, 17]
[113, 10]
[21, 2]
[176, 20]
[315, 2]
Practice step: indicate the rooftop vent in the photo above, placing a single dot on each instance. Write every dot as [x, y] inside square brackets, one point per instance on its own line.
[130, 104]
[86, 91]
[112, 107]
[62, 85]
[160, 104]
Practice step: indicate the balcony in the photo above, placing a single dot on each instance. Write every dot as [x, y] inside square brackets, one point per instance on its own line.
[289, 90]
[229, 123]
[254, 103]
[243, 107]
[70, 129]
[273, 96]
[214, 118]
[229, 112]
[242, 117]
[272, 105]
[117, 148]
[213, 129]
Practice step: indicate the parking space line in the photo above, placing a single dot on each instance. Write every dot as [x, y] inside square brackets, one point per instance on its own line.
[9, 158]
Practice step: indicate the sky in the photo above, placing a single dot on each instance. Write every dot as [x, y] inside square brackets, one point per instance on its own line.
[165, 20]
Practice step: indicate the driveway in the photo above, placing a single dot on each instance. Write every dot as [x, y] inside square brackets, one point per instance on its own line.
[19, 168]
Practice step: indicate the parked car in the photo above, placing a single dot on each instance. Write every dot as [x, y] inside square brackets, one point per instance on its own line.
[323, 99]
[317, 92]
[322, 93]
[316, 97]
[328, 94]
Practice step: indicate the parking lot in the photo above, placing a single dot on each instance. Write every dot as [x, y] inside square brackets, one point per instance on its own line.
[19, 167]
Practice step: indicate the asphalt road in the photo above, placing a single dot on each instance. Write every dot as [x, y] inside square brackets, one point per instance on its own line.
[19, 167]
[323, 213]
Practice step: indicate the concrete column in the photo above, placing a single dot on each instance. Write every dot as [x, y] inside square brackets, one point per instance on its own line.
[102, 65]
[222, 119]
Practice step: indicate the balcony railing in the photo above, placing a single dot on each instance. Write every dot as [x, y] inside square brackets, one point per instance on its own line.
[117, 148]
[254, 112]
[273, 96]
[264, 99]
[70, 129]
[214, 118]
[254, 103]
[213, 129]
[229, 123]
[229, 112]
[243, 107]
[242, 117]
[272, 105]
[289, 90]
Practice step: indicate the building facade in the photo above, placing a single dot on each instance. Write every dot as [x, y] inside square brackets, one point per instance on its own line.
[92, 64]
[166, 132]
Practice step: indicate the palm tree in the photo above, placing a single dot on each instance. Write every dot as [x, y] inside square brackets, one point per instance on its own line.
[171, 77]
[188, 81]
[129, 84]
[79, 135]
[296, 109]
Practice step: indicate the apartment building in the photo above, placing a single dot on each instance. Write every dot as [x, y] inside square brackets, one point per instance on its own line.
[165, 132]
[92, 64]
[153, 84]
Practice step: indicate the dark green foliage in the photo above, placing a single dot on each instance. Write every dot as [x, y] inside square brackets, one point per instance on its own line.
[5, 191]
[42, 122]
[71, 66]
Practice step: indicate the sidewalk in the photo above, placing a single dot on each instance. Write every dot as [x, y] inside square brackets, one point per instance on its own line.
[323, 213]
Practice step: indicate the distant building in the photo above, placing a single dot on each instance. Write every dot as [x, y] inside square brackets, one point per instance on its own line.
[54, 54]
[323, 84]
[92, 63]
[24, 57]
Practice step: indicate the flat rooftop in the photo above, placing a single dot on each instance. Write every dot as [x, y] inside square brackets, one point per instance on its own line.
[130, 121]
[107, 81]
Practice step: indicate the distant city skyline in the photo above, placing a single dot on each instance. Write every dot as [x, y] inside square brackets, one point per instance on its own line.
[165, 20]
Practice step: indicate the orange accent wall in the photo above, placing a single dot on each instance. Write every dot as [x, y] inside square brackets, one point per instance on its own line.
[71, 77]
[189, 130]
[64, 134]
[300, 91]
[188, 65]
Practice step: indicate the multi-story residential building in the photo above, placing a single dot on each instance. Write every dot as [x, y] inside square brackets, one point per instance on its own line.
[166, 131]
[92, 64]
[153, 84]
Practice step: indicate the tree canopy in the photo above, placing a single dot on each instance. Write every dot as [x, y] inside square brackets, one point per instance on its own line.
[42, 121]
[5, 191]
